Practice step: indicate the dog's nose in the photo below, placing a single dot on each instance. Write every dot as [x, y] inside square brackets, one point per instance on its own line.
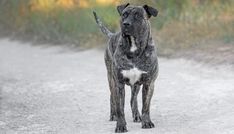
[126, 24]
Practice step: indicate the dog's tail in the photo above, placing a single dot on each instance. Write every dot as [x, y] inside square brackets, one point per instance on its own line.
[103, 28]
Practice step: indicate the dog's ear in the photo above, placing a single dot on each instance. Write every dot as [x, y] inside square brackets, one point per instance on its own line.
[150, 11]
[120, 8]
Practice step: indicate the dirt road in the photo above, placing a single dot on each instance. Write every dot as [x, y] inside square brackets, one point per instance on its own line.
[53, 90]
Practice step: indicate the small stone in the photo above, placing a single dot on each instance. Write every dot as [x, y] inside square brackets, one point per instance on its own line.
[2, 123]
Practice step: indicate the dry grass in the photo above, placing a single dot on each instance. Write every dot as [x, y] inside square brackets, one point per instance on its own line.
[180, 24]
[196, 25]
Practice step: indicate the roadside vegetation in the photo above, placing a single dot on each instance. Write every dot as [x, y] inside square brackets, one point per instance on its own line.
[180, 25]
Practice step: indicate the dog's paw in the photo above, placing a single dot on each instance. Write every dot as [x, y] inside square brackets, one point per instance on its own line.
[137, 118]
[146, 125]
[121, 129]
[113, 118]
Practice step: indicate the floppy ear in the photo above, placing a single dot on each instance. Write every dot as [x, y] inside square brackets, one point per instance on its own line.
[150, 11]
[120, 8]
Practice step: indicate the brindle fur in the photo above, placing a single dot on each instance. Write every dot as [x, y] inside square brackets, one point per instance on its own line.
[118, 57]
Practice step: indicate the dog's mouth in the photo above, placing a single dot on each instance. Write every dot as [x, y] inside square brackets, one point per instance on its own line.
[127, 32]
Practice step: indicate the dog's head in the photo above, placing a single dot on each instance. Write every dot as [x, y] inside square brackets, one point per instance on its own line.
[134, 19]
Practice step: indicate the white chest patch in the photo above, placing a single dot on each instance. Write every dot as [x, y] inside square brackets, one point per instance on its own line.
[133, 75]
[133, 45]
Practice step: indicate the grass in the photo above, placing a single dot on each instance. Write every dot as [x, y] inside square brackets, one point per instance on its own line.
[59, 26]
[195, 25]
[180, 24]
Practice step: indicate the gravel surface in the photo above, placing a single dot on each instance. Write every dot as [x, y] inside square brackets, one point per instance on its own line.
[52, 90]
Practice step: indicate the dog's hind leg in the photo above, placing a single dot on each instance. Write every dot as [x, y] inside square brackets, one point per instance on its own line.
[147, 93]
[134, 105]
[113, 114]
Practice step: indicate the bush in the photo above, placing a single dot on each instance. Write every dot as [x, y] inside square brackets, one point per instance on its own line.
[178, 23]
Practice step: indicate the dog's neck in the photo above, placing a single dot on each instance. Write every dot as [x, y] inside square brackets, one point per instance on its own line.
[134, 46]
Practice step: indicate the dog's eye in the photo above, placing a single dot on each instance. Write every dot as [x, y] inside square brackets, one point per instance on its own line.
[137, 16]
[125, 15]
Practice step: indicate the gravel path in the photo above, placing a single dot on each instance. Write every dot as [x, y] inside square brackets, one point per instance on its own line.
[52, 90]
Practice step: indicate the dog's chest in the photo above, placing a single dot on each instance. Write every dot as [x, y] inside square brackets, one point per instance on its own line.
[133, 74]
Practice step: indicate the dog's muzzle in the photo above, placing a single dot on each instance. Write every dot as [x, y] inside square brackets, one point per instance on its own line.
[127, 28]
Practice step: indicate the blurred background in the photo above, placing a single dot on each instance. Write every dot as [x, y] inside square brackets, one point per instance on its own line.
[195, 29]
[53, 78]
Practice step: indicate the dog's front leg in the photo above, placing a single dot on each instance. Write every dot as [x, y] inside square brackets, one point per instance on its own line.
[120, 98]
[147, 93]
[134, 105]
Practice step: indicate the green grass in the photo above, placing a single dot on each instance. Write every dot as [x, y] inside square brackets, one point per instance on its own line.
[180, 24]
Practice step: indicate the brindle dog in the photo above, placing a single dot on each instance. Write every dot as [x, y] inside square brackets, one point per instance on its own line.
[131, 59]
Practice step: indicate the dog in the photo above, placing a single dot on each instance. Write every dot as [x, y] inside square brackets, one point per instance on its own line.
[131, 59]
